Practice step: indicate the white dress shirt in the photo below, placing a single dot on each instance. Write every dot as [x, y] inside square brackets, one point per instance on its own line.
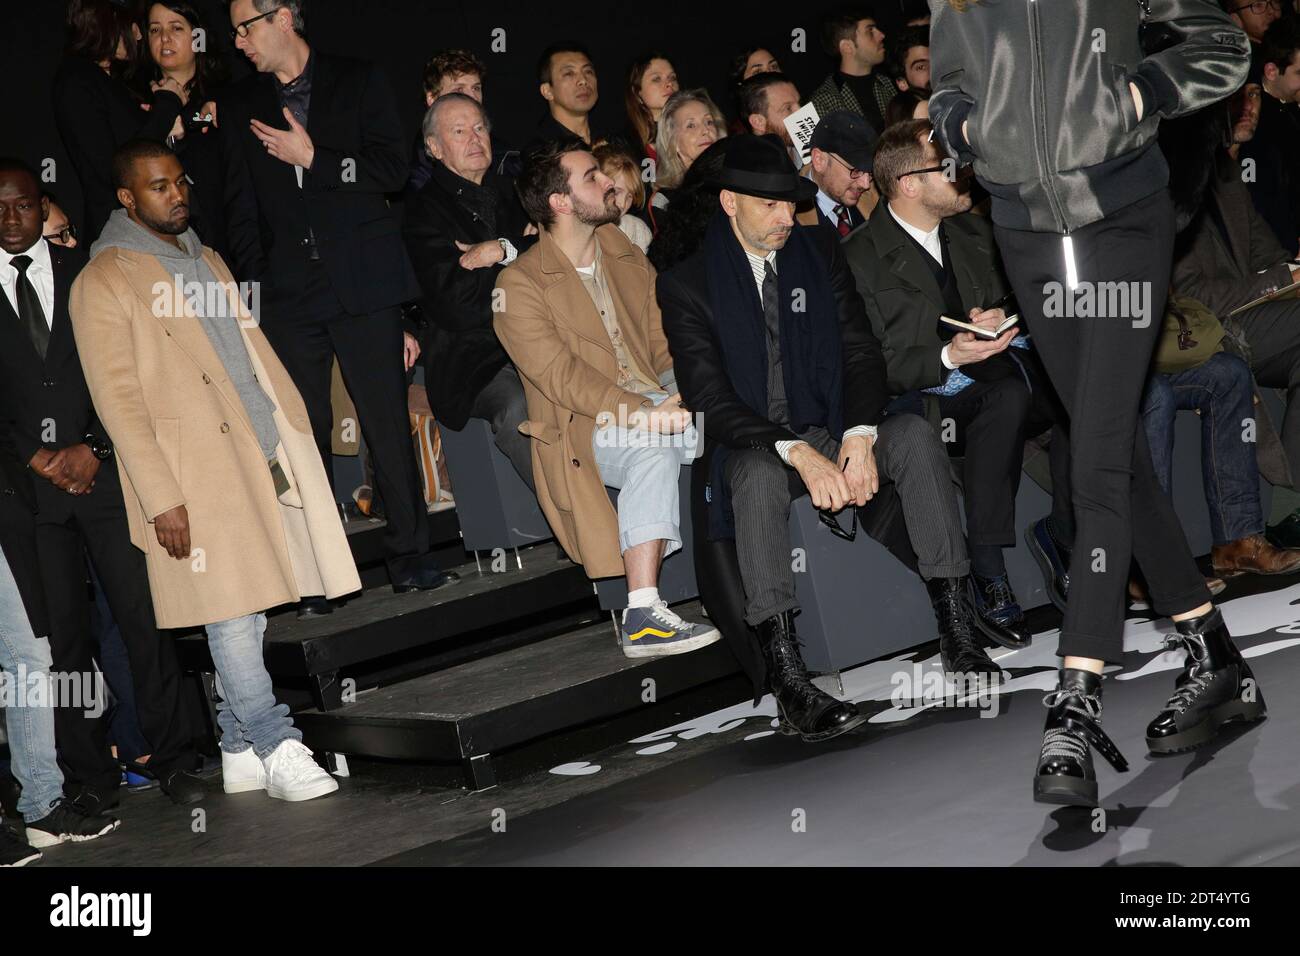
[757, 266]
[930, 243]
[40, 273]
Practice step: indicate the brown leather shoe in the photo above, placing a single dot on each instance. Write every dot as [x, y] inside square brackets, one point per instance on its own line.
[1253, 555]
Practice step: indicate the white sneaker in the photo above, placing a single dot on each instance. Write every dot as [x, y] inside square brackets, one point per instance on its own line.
[242, 772]
[292, 774]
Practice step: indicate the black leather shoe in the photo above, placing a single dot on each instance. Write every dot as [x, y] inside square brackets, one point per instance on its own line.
[183, 787]
[1215, 687]
[426, 581]
[1286, 533]
[1053, 560]
[315, 606]
[998, 614]
[1065, 772]
[804, 709]
[959, 648]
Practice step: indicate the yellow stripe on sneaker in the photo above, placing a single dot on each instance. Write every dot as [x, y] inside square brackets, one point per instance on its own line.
[649, 630]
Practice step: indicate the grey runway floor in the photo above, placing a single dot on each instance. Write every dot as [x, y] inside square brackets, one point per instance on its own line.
[920, 784]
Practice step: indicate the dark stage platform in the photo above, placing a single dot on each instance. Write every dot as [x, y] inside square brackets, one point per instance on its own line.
[922, 783]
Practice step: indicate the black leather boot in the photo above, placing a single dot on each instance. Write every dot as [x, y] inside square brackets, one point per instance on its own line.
[959, 647]
[804, 710]
[1065, 773]
[1214, 688]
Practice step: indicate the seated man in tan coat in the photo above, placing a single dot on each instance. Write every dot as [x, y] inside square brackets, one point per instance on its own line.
[578, 317]
[225, 491]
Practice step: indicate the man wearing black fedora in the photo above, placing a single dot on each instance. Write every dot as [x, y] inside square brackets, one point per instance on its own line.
[772, 347]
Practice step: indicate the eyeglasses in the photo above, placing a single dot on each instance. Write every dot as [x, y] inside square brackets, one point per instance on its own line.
[917, 172]
[833, 525]
[1258, 7]
[66, 234]
[241, 29]
[854, 172]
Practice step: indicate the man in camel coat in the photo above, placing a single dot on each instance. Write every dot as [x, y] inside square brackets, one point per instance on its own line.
[225, 491]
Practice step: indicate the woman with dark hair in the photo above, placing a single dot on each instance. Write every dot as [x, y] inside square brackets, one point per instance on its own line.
[94, 108]
[168, 57]
[748, 62]
[1073, 214]
[650, 81]
[907, 105]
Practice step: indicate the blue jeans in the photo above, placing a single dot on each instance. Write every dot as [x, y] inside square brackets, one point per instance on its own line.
[247, 713]
[1220, 389]
[644, 467]
[25, 660]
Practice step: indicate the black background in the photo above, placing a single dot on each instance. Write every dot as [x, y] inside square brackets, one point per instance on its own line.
[700, 39]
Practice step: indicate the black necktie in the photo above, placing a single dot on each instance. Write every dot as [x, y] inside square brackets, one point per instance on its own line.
[771, 305]
[30, 312]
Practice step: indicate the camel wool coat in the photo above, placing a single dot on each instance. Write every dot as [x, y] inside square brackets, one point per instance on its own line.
[181, 437]
[555, 337]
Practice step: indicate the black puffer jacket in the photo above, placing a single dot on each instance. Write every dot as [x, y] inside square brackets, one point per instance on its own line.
[1043, 86]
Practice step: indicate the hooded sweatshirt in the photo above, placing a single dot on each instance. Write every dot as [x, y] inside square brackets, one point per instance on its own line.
[186, 264]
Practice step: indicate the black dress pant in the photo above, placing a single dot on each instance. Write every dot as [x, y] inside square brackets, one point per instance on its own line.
[68, 529]
[992, 420]
[306, 335]
[1099, 364]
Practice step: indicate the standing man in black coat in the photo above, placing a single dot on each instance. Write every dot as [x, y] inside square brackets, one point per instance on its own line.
[49, 427]
[313, 147]
[461, 229]
[772, 348]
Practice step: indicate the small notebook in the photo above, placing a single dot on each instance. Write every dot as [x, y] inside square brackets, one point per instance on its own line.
[979, 331]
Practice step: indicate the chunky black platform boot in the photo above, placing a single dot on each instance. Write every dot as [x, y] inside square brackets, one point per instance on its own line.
[1214, 688]
[1065, 773]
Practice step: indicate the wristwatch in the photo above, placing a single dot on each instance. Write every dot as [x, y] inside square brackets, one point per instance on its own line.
[99, 447]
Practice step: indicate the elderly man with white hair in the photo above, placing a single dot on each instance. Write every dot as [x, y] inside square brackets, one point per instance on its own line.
[461, 228]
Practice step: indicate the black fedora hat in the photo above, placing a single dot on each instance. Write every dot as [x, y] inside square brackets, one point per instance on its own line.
[760, 166]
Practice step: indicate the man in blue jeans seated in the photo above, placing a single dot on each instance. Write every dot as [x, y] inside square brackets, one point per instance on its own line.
[1221, 391]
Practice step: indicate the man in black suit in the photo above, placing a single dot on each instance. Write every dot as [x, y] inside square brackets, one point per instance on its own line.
[923, 255]
[54, 443]
[312, 145]
[842, 146]
[773, 350]
[462, 228]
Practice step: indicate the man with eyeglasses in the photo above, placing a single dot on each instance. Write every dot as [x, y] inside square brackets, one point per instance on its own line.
[841, 168]
[1254, 17]
[313, 146]
[923, 254]
[773, 349]
[58, 228]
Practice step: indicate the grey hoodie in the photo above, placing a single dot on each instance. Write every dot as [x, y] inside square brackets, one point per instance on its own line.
[222, 330]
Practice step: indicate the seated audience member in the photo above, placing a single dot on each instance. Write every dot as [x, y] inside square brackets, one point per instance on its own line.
[651, 81]
[580, 322]
[456, 71]
[690, 124]
[567, 81]
[96, 110]
[842, 146]
[859, 84]
[626, 174]
[909, 61]
[682, 225]
[906, 106]
[241, 430]
[1225, 258]
[793, 402]
[59, 230]
[922, 255]
[1191, 371]
[461, 229]
[750, 61]
[1254, 16]
[1275, 182]
[766, 99]
[916, 13]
